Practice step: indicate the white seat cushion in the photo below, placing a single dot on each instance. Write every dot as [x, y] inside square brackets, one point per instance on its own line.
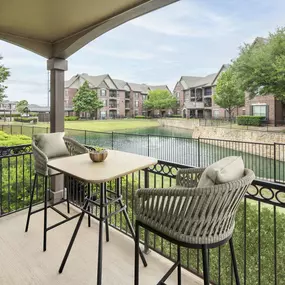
[51, 144]
[225, 170]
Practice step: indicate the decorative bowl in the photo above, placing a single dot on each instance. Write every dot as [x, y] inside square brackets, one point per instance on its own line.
[98, 156]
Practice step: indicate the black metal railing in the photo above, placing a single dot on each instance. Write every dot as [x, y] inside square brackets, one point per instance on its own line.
[266, 159]
[260, 221]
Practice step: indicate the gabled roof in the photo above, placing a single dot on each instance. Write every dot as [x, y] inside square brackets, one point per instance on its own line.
[189, 81]
[206, 81]
[158, 87]
[120, 83]
[224, 67]
[138, 87]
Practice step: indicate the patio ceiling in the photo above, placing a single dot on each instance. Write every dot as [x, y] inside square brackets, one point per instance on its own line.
[59, 28]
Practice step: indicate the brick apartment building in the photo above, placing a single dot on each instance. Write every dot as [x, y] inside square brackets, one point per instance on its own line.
[120, 98]
[195, 96]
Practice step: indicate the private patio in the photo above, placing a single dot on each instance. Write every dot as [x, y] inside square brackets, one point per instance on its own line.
[23, 262]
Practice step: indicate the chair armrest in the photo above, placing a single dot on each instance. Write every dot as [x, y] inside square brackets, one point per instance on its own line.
[74, 147]
[41, 160]
[189, 177]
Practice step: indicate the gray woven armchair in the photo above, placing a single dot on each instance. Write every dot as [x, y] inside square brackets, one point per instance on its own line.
[191, 217]
[41, 159]
[66, 146]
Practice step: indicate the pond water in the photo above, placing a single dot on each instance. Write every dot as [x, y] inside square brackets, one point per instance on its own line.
[177, 145]
[161, 131]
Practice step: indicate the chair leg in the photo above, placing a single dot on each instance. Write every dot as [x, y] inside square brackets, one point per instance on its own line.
[45, 214]
[31, 202]
[179, 265]
[205, 265]
[73, 237]
[234, 262]
[137, 250]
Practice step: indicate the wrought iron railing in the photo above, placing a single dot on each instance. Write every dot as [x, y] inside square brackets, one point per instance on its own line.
[266, 159]
[260, 222]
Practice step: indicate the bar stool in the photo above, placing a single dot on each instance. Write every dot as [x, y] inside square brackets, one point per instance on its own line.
[45, 148]
[191, 217]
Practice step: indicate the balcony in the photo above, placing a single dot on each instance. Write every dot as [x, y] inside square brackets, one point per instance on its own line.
[195, 105]
[113, 106]
[127, 106]
[127, 96]
[112, 94]
[258, 235]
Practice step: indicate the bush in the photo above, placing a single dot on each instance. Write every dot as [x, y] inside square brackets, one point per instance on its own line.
[33, 120]
[7, 115]
[250, 120]
[175, 116]
[140, 117]
[10, 140]
[71, 118]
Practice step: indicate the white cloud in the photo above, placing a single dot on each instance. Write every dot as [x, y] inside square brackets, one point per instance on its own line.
[187, 19]
[126, 54]
[166, 48]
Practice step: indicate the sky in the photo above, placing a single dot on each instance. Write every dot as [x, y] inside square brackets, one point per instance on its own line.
[189, 37]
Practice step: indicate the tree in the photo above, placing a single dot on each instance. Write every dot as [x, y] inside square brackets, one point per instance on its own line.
[260, 68]
[4, 74]
[228, 95]
[22, 106]
[86, 100]
[160, 100]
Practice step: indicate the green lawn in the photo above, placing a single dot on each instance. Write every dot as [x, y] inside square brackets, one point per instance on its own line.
[107, 125]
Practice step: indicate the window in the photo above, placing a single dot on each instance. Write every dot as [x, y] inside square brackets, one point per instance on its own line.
[136, 112]
[177, 94]
[260, 110]
[104, 103]
[136, 103]
[103, 92]
[137, 95]
[144, 97]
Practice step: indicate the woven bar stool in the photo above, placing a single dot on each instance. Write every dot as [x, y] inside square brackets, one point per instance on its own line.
[47, 147]
[191, 217]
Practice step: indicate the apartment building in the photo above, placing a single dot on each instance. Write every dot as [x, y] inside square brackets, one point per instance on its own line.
[195, 95]
[121, 99]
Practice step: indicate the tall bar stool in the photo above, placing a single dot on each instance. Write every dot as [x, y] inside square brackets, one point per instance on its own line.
[191, 217]
[47, 147]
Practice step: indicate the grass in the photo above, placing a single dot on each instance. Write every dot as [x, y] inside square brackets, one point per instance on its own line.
[106, 125]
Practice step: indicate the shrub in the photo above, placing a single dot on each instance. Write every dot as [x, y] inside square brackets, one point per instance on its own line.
[250, 120]
[33, 120]
[10, 140]
[140, 117]
[175, 116]
[71, 118]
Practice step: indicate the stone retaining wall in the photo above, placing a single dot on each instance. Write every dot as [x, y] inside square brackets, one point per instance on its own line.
[259, 143]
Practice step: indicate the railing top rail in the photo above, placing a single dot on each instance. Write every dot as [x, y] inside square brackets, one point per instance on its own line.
[235, 141]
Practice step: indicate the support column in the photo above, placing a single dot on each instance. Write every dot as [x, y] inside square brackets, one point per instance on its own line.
[57, 67]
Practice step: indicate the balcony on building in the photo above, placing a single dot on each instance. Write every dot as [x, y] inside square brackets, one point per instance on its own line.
[113, 94]
[127, 95]
[113, 106]
[208, 102]
[127, 105]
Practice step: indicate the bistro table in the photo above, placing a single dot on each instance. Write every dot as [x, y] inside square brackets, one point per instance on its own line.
[116, 165]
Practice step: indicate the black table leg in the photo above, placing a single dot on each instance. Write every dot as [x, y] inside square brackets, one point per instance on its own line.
[106, 214]
[100, 242]
[73, 236]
